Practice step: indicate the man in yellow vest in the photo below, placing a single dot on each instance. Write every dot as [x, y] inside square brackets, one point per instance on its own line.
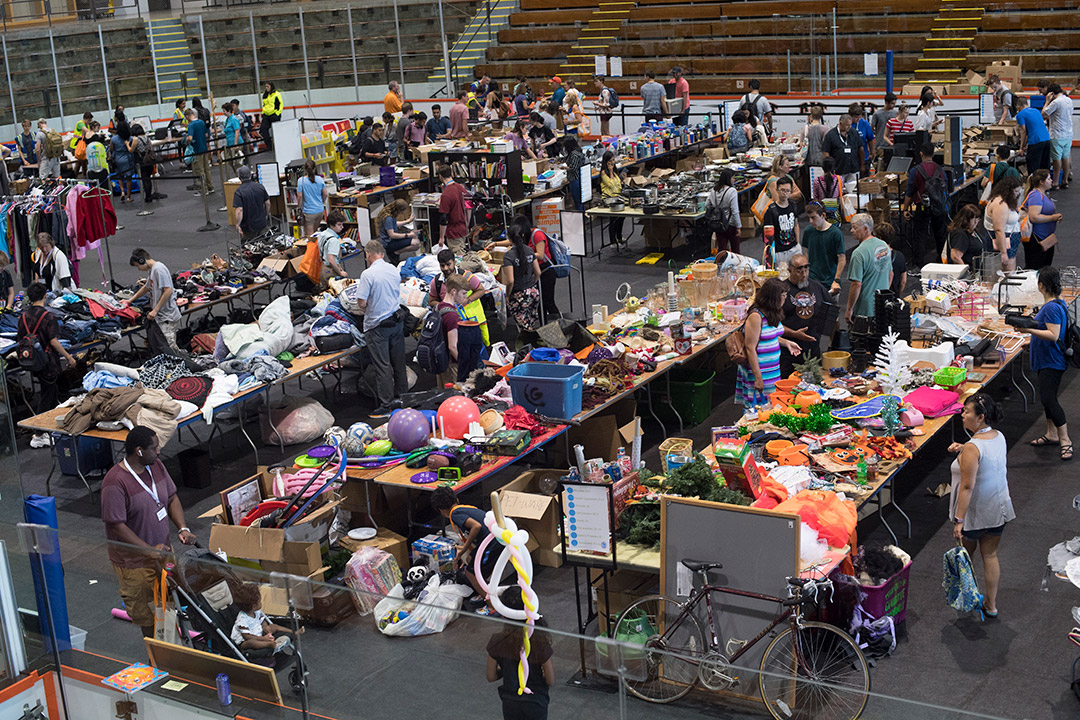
[272, 105]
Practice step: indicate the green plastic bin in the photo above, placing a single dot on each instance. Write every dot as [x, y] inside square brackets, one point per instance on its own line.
[690, 396]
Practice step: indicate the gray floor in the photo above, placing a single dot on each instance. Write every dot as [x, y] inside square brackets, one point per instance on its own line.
[1015, 667]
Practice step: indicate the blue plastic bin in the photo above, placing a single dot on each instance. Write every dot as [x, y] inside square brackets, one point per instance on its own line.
[95, 454]
[548, 389]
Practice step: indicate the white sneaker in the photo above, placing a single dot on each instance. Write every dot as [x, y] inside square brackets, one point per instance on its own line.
[41, 440]
[1076, 615]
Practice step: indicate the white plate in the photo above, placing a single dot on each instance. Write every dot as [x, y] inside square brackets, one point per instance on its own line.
[364, 533]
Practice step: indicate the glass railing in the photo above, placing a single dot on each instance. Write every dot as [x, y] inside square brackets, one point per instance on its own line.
[370, 654]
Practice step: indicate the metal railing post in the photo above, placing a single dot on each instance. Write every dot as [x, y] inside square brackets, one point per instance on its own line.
[153, 60]
[254, 54]
[401, 61]
[352, 51]
[104, 67]
[836, 58]
[11, 91]
[789, 71]
[56, 77]
[445, 54]
[303, 45]
[206, 68]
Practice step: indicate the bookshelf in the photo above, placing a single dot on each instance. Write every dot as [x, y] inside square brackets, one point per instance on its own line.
[482, 167]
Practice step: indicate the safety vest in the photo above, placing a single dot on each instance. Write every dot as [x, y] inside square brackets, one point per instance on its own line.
[272, 104]
[79, 128]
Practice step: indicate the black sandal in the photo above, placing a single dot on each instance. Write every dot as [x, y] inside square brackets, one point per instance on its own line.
[1066, 453]
[1043, 441]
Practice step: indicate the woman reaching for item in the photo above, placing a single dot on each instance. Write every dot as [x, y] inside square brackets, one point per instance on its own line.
[762, 331]
[1002, 220]
[1048, 360]
[979, 503]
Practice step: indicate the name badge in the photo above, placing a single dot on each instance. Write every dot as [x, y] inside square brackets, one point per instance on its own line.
[161, 514]
[847, 150]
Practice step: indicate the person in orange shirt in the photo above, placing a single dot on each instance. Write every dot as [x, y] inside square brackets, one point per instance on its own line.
[392, 101]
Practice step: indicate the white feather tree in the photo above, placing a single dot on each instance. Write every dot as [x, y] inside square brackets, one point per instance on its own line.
[892, 373]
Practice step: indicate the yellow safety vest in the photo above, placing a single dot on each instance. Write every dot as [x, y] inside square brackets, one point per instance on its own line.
[272, 104]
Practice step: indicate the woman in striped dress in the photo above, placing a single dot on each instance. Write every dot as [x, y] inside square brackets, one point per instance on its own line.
[763, 330]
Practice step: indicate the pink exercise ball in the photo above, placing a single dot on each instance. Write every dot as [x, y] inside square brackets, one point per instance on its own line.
[408, 430]
[455, 414]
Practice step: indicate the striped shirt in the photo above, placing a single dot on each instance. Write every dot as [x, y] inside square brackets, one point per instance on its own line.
[768, 354]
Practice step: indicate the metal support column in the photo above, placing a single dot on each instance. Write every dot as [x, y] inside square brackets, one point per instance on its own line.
[206, 73]
[352, 51]
[56, 77]
[254, 54]
[445, 56]
[303, 45]
[104, 67]
[11, 91]
[401, 62]
[153, 61]
[835, 57]
[789, 71]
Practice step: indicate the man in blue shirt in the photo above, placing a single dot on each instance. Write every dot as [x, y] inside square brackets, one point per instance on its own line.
[1034, 137]
[379, 299]
[863, 127]
[233, 135]
[438, 126]
[199, 139]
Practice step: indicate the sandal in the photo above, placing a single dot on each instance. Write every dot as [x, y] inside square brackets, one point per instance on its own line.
[1042, 441]
[1066, 453]
[989, 614]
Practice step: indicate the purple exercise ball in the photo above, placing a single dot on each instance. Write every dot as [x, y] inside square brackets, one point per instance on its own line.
[408, 430]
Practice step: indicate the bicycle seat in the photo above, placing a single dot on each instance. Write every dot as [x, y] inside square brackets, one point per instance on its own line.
[700, 565]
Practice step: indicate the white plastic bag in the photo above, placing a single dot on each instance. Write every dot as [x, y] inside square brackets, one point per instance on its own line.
[296, 420]
[430, 613]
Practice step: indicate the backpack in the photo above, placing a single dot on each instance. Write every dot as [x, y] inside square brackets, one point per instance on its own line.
[737, 140]
[246, 124]
[432, 354]
[958, 579]
[79, 148]
[29, 350]
[718, 216]
[1070, 341]
[613, 97]
[559, 254]
[54, 144]
[935, 193]
[189, 154]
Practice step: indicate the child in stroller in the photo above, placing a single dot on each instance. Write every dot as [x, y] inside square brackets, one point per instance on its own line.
[252, 630]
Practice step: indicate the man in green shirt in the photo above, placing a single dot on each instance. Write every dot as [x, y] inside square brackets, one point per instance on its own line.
[871, 268]
[824, 245]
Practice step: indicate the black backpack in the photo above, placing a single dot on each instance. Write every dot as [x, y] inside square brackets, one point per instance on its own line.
[718, 216]
[935, 192]
[432, 354]
[30, 351]
[613, 97]
[1071, 340]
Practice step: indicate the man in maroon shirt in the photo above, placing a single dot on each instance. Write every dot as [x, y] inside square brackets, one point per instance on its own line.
[138, 499]
[459, 117]
[452, 206]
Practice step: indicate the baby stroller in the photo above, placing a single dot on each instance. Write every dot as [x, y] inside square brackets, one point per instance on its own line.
[202, 586]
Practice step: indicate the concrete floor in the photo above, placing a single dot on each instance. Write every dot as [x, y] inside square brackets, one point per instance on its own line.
[1014, 667]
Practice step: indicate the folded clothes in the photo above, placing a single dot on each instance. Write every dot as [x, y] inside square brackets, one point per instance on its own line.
[104, 379]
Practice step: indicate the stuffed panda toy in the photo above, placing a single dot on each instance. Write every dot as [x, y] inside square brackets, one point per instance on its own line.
[416, 579]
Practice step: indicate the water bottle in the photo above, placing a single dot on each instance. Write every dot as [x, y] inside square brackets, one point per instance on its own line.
[860, 471]
[223, 693]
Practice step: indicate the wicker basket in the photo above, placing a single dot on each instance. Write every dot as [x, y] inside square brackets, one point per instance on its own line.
[674, 446]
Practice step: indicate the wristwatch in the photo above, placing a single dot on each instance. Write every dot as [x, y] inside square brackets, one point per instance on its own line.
[958, 521]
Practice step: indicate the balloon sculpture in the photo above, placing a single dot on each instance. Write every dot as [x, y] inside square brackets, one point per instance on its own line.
[513, 540]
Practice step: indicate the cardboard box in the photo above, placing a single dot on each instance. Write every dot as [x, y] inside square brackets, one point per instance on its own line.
[422, 151]
[285, 266]
[274, 599]
[880, 209]
[414, 173]
[690, 164]
[624, 587]
[297, 559]
[439, 550]
[602, 435]
[532, 168]
[716, 153]
[386, 540]
[546, 215]
[537, 512]
[871, 186]
[388, 504]
[749, 226]
[660, 173]
[974, 78]
[673, 106]
[740, 469]
[254, 543]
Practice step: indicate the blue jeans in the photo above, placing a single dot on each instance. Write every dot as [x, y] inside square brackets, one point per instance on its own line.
[575, 194]
[470, 346]
[386, 348]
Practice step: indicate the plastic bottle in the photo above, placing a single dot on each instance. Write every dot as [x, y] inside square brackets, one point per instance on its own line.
[860, 472]
[223, 692]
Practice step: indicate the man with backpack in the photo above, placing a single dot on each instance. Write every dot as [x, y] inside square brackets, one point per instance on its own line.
[605, 103]
[461, 332]
[39, 351]
[50, 149]
[1004, 100]
[756, 104]
[927, 201]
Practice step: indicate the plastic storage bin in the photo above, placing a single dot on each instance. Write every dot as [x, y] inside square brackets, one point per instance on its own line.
[888, 598]
[691, 395]
[94, 454]
[548, 389]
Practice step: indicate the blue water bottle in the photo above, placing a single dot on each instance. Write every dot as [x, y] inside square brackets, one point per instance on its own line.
[224, 695]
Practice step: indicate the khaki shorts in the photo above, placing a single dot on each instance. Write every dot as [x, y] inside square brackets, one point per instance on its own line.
[137, 592]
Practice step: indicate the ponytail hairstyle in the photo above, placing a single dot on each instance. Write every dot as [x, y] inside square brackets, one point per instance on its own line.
[309, 169]
[519, 237]
[1036, 179]
[395, 208]
[982, 404]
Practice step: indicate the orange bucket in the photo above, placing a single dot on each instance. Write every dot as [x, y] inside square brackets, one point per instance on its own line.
[776, 447]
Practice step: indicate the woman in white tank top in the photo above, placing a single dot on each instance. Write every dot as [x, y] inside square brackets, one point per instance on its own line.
[1002, 219]
[979, 505]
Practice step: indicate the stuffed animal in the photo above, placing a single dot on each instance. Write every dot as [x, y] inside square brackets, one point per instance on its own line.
[415, 580]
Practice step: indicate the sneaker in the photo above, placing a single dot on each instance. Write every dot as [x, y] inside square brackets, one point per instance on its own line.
[191, 187]
[1076, 615]
[380, 412]
[160, 196]
[486, 611]
[41, 440]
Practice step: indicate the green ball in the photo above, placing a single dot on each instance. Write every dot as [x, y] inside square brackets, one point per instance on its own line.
[379, 447]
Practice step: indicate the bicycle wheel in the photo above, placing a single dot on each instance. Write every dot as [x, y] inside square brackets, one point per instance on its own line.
[824, 678]
[666, 668]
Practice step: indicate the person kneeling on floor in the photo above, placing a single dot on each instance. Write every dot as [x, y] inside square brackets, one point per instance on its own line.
[469, 522]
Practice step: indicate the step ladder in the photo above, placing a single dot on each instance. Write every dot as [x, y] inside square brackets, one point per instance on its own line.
[176, 74]
[479, 34]
[952, 36]
[599, 34]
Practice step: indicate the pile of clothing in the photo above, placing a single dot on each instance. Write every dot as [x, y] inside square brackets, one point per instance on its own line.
[83, 316]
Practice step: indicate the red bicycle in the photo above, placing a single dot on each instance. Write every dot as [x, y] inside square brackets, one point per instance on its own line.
[810, 670]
